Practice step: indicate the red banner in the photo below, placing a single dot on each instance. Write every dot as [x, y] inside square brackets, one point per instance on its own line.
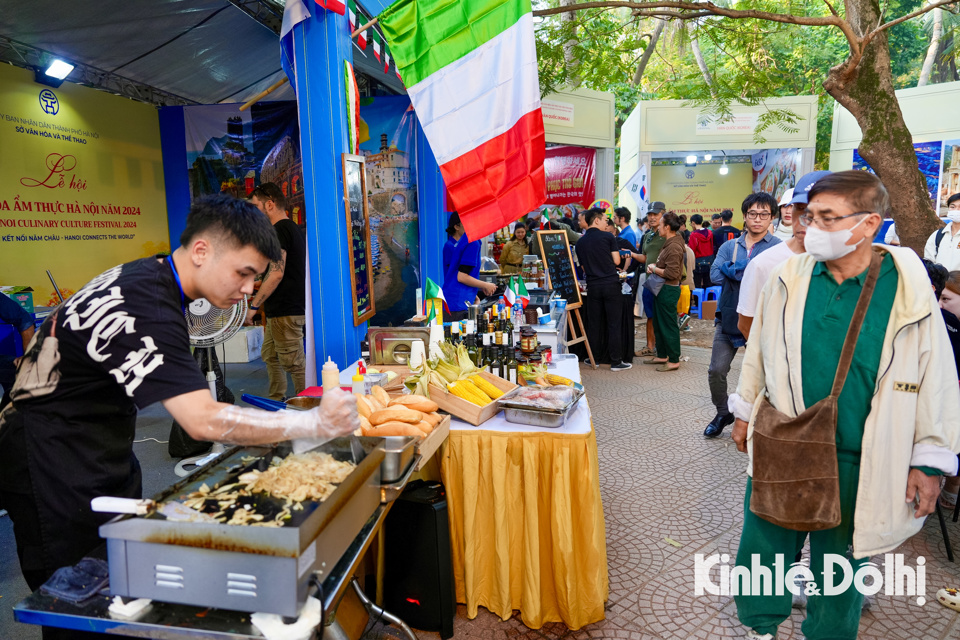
[571, 175]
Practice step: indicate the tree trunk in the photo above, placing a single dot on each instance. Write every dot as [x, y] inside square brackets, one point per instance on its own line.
[868, 93]
[695, 45]
[569, 55]
[648, 52]
[933, 48]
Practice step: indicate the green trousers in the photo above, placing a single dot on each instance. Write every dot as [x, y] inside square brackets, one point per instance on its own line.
[828, 617]
[665, 327]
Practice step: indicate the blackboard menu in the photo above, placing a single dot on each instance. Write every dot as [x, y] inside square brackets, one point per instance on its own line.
[358, 237]
[558, 262]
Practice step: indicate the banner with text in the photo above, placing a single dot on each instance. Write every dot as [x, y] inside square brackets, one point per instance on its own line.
[702, 189]
[81, 184]
[571, 175]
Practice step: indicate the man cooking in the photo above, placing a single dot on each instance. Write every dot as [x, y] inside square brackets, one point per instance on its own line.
[121, 343]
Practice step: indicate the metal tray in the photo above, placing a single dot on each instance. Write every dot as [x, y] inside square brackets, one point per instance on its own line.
[551, 418]
[398, 452]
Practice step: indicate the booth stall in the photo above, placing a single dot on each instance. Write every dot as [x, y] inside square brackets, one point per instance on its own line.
[676, 153]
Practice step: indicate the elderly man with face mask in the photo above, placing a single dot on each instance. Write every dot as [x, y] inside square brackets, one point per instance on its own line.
[847, 405]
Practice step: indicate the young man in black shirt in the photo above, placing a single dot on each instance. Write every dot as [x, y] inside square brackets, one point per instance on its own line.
[599, 256]
[725, 232]
[121, 343]
[283, 296]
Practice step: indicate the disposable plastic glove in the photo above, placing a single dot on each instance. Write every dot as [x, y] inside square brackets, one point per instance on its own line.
[336, 416]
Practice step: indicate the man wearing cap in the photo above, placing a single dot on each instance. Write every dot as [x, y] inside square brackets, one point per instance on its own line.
[650, 244]
[727, 270]
[783, 229]
[758, 272]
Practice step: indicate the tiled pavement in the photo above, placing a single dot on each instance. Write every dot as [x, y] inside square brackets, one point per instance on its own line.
[659, 478]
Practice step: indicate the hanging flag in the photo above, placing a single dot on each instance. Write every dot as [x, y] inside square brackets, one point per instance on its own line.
[433, 291]
[337, 6]
[516, 290]
[362, 37]
[386, 60]
[376, 45]
[351, 16]
[353, 108]
[471, 73]
[294, 13]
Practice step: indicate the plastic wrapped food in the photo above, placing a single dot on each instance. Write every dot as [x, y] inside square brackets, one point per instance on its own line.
[544, 397]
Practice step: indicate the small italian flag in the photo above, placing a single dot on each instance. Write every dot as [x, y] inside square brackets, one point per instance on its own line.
[516, 290]
[470, 67]
[433, 292]
[376, 45]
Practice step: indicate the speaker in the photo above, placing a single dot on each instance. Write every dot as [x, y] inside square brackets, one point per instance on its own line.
[418, 572]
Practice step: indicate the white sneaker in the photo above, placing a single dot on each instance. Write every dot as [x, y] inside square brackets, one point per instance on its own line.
[949, 598]
[753, 635]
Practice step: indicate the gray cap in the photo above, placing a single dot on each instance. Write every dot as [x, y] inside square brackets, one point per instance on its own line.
[657, 207]
[804, 184]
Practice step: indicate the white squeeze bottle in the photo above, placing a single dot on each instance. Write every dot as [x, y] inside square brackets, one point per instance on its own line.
[330, 375]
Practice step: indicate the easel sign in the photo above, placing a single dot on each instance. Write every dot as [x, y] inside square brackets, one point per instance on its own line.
[562, 278]
[358, 237]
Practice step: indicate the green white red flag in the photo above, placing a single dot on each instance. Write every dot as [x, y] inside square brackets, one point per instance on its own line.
[470, 67]
[516, 290]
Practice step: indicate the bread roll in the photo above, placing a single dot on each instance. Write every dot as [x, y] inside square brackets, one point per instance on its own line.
[375, 404]
[363, 405]
[382, 396]
[412, 401]
[424, 426]
[400, 414]
[433, 418]
[364, 423]
[394, 428]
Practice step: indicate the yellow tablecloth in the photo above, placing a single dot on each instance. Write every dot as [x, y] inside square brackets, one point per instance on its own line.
[526, 525]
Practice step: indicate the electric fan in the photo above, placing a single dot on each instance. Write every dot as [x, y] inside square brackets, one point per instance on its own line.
[209, 326]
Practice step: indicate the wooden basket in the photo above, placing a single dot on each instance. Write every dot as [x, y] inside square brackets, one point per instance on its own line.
[465, 410]
[429, 445]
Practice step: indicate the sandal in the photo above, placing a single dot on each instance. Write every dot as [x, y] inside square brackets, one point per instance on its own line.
[655, 361]
[646, 352]
[666, 368]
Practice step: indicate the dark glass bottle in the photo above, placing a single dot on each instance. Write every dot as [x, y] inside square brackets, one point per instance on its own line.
[487, 359]
[472, 350]
[496, 365]
[512, 366]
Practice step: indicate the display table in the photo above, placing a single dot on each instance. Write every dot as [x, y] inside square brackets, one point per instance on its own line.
[601, 351]
[526, 519]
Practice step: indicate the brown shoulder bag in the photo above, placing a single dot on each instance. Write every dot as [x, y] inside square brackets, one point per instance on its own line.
[795, 478]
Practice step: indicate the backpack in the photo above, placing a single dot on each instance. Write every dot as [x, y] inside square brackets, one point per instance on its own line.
[936, 242]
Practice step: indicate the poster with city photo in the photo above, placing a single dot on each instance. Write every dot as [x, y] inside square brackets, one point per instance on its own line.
[388, 142]
[232, 151]
[928, 157]
[949, 173]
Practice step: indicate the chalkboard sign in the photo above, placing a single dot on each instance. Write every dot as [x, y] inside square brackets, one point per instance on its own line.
[358, 237]
[558, 261]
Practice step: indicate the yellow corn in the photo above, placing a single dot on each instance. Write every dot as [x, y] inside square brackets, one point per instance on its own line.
[486, 386]
[469, 392]
[554, 379]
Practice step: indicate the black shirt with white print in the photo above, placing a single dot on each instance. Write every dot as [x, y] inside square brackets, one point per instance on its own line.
[118, 344]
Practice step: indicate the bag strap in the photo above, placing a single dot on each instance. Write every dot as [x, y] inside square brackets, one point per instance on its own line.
[856, 323]
[936, 243]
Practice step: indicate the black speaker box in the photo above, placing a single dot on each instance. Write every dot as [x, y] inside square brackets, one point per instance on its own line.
[418, 576]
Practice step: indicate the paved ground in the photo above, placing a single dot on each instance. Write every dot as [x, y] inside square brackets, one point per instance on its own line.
[659, 479]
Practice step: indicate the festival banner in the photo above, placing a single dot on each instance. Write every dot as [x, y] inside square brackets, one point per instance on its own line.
[775, 171]
[928, 157]
[701, 189]
[232, 151]
[571, 175]
[949, 173]
[81, 184]
[388, 141]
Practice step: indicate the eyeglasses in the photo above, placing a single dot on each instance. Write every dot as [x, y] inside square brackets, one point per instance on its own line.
[758, 215]
[827, 222]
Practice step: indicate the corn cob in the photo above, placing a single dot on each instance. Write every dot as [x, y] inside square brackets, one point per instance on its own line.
[469, 392]
[486, 386]
[554, 379]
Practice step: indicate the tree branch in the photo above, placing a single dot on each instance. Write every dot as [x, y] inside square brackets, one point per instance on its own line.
[704, 9]
[910, 16]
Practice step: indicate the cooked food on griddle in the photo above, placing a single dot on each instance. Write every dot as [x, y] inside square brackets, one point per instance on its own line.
[294, 479]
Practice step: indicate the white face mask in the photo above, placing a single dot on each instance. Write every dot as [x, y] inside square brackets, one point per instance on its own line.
[953, 215]
[830, 245]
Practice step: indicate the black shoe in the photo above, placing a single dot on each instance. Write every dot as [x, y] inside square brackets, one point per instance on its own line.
[620, 366]
[717, 425]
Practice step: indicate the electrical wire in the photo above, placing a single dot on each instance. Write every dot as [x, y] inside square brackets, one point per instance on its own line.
[153, 439]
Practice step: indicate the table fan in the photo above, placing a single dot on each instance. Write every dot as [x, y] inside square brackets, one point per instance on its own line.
[209, 326]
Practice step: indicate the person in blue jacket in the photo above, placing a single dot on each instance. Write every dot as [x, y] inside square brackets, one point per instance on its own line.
[461, 266]
[13, 314]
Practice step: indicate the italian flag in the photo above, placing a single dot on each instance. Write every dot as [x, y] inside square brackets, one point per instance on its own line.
[470, 67]
[376, 46]
[516, 290]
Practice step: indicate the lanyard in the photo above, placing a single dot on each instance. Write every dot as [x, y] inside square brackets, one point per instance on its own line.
[176, 276]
